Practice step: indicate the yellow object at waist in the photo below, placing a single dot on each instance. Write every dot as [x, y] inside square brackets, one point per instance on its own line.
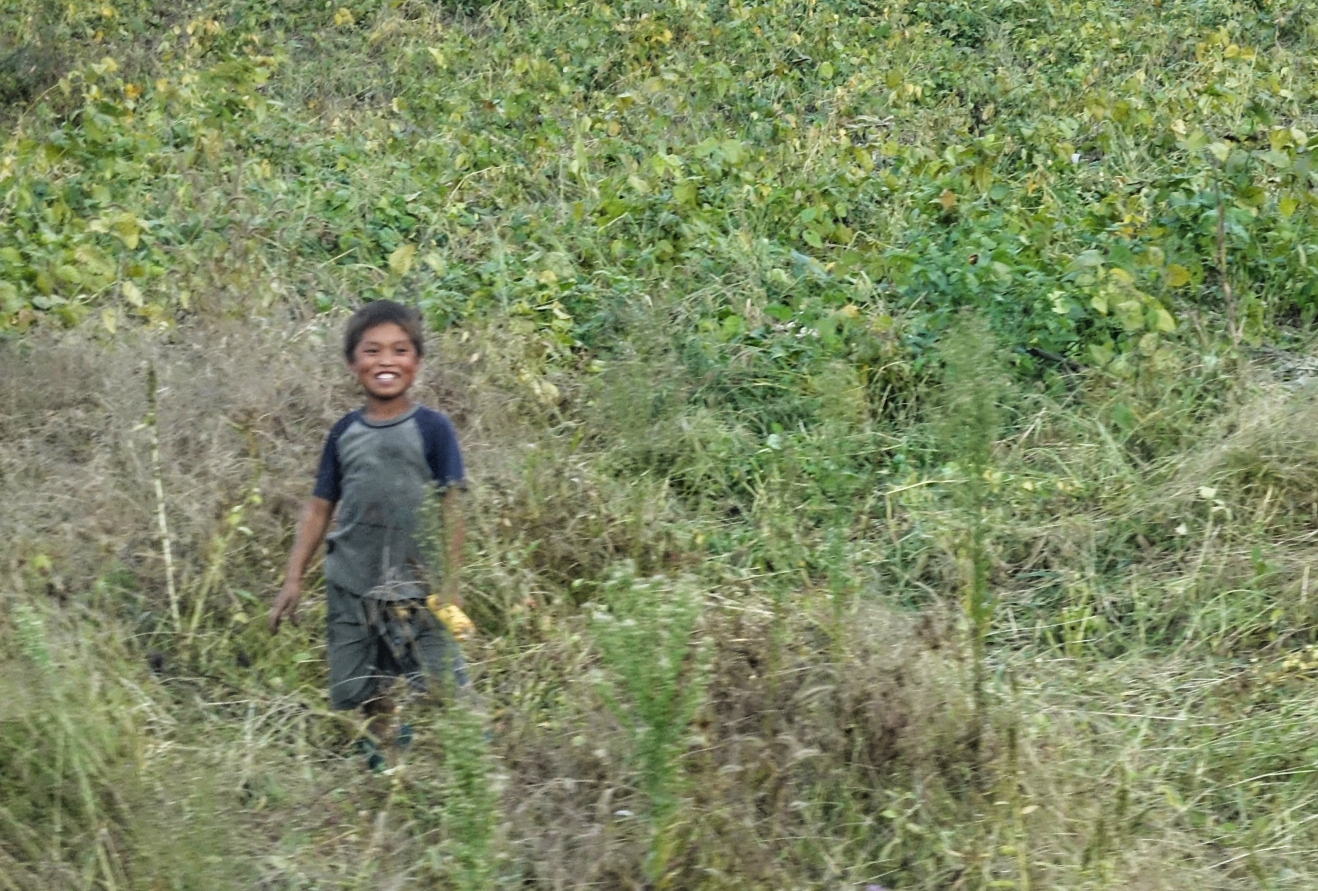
[454, 619]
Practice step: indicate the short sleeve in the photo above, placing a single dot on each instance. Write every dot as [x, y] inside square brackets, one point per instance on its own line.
[329, 477]
[442, 452]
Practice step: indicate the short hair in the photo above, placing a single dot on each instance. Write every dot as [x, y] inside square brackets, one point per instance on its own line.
[380, 312]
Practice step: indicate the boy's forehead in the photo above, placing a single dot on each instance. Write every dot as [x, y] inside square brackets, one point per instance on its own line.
[385, 331]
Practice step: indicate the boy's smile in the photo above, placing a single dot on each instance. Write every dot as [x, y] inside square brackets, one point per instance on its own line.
[385, 363]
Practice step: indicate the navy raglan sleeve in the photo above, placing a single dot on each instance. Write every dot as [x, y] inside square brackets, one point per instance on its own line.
[442, 452]
[329, 476]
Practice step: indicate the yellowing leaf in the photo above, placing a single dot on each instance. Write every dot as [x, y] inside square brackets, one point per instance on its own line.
[109, 320]
[1287, 205]
[343, 17]
[947, 199]
[1130, 313]
[1178, 276]
[435, 260]
[1161, 320]
[438, 55]
[10, 302]
[400, 261]
[131, 292]
[128, 229]
[547, 391]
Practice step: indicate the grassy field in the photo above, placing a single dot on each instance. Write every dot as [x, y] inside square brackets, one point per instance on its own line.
[888, 428]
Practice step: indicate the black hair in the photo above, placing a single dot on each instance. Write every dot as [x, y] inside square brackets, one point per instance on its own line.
[380, 312]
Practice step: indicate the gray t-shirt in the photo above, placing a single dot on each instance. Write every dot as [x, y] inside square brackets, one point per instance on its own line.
[380, 474]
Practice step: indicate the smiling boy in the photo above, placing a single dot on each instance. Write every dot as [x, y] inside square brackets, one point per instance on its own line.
[379, 465]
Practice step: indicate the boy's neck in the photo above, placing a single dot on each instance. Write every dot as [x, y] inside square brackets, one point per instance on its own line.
[386, 409]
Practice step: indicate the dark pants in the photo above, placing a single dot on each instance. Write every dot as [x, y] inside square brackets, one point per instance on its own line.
[371, 642]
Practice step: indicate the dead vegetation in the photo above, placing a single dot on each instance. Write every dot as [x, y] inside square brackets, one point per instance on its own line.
[831, 746]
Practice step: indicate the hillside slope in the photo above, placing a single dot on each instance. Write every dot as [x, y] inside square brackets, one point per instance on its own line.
[1014, 598]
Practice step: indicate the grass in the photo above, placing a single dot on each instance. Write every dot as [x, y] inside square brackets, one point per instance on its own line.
[1146, 728]
[687, 269]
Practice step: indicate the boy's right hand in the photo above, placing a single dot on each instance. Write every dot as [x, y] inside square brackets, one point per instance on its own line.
[285, 605]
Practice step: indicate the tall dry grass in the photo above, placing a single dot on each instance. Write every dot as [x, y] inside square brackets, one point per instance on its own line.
[1146, 725]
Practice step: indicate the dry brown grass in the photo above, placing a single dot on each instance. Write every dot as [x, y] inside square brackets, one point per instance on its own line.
[831, 748]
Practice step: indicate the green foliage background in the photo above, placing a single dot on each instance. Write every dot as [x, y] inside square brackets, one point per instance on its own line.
[1061, 166]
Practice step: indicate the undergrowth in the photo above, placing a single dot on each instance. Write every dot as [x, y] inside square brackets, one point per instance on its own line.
[777, 586]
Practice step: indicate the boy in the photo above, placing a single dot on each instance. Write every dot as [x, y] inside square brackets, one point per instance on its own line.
[379, 465]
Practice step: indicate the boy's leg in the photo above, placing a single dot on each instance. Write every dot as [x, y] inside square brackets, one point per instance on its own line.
[352, 650]
[437, 652]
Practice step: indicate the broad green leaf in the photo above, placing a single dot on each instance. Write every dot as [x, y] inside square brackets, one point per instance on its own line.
[1089, 259]
[10, 302]
[732, 151]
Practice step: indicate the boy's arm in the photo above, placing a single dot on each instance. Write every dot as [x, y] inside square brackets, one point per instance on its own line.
[454, 532]
[310, 533]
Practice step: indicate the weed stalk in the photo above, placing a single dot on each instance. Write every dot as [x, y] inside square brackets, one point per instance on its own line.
[966, 428]
[157, 479]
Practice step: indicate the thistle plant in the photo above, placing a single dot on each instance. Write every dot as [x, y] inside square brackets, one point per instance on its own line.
[965, 427]
[468, 812]
[655, 679]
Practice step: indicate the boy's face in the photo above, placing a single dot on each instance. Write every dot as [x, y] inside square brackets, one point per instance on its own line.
[385, 362]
